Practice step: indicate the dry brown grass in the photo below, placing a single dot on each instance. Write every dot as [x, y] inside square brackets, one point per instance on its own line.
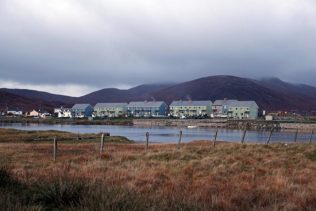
[230, 176]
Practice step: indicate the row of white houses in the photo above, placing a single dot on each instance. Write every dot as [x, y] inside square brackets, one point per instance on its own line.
[180, 109]
[19, 112]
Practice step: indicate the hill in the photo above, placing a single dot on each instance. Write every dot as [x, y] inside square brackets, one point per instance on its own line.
[270, 93]
[39, 95]
[267, 93]
[26, 104]
[142, 92]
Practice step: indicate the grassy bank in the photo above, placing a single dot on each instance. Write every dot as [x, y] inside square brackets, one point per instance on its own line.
[18, 136]
[85, 121]
[230, 176]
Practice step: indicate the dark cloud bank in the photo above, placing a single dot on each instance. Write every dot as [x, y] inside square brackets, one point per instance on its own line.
[124, 43]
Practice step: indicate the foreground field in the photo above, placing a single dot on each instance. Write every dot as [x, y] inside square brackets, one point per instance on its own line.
[230, 176]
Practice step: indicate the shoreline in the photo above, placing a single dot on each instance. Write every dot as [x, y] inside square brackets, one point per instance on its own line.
[257, 125]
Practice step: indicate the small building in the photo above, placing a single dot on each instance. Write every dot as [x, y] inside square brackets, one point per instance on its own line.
[82, 110]
[14, 112]
[269, 117]
[33, 113]
[147, 109]
[110, 109]
[243, 110]
[191, 108]
[63, 112]
[220, 107]
[44, 114]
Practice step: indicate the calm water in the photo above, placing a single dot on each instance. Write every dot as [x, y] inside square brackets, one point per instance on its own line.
[167, 134]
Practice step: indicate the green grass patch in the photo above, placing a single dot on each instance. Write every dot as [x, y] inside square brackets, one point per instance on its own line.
[311, 155]
[165, 156]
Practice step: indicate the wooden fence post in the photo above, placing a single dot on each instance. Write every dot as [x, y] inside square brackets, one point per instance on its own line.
[147, 141]
[102, 144]
[295, 137]
[268, 141]
[243, 136]
[215, 137]
[55, 149]
[180, 137]
[311, 138]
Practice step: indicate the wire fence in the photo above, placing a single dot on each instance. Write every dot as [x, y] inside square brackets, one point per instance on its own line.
[214, 140]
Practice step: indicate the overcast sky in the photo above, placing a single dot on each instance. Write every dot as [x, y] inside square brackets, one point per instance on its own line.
[77, 46]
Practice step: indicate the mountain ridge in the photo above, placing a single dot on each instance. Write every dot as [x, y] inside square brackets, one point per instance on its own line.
[270, 93]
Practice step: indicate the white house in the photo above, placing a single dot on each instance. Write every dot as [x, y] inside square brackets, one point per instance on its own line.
[45, 114]
[15, 112]
[63, 112]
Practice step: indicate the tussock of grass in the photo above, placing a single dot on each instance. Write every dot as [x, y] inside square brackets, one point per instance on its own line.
[58, 193]
[311, 155]
[165, 156]
[5, 178]
[117, 139]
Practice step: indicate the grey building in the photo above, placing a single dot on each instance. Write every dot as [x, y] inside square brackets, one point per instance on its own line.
[147, 109]
[190, 108]
[110, 109]
[82, 110]
[220, 107]
[243, 110]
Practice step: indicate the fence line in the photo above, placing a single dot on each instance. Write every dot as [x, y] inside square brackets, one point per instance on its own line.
[243, 136]
[55, 140]
[215, 137]
[147, 141]
[180, 137]
[55, 149]
[102, 144]
[295, 137]
[268, 141]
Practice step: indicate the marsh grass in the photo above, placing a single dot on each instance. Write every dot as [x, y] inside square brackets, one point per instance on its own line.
[58, 193]
[112, 121]
[311, 155]
[18, 136]
[230, 176]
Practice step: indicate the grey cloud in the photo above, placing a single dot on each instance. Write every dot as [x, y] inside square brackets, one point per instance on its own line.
[106, 43]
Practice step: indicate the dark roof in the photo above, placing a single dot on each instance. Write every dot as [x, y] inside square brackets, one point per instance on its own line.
[223, 102]
[146, 104]
[105, 105]
[243, 104]
[191, 103]
[81, 106]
